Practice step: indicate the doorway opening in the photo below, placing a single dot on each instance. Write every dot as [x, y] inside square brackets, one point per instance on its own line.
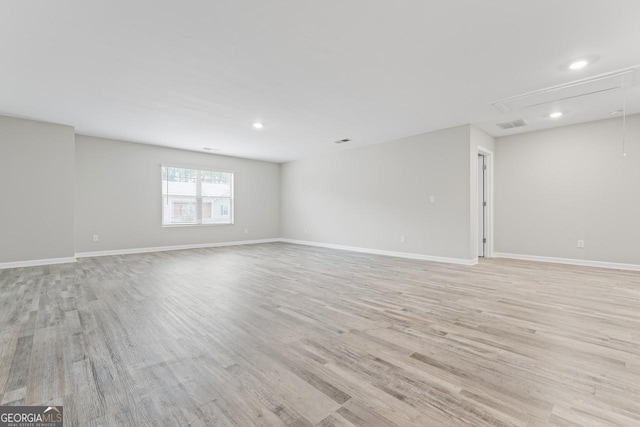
[482, 205]
[485, 205]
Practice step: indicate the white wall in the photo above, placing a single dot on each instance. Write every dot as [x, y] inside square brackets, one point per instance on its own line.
[557, 186]
[118, 197]
[36, 194]
[368, 197]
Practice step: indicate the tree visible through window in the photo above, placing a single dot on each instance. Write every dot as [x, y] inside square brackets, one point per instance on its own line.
[195, 196]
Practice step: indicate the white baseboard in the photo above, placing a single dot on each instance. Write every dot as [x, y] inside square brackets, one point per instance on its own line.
[36, 262]
[570, 261]
[459, 261]
[171, 248]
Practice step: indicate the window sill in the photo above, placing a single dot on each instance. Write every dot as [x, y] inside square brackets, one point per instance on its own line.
[195, 225]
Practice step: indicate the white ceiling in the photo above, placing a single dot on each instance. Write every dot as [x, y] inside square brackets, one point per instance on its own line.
[197, 73]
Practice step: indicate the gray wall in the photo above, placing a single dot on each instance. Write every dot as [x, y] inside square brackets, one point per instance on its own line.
[36, 194]
[368, 197]
[557, 186]
[118, 197]
[552, 188]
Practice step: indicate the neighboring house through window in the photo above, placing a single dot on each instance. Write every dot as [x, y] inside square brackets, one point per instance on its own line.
[196, 196]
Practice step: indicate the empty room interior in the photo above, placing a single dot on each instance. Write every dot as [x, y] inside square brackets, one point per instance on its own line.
[320, 213]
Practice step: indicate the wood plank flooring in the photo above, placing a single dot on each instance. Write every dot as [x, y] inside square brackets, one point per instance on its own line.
[286, 335]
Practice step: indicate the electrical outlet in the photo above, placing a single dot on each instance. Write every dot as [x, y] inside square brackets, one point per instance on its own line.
[246, 230]
[403, 238]
[581, 243]
[306, 231]
[432, 199]
[96, 237]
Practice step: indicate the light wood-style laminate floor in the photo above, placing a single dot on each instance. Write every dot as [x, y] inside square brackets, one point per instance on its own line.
[280, 334]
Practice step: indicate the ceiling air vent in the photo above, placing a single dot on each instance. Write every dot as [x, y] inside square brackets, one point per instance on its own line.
[513, 124]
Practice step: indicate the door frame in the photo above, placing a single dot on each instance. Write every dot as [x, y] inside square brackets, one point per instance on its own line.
[488, 195]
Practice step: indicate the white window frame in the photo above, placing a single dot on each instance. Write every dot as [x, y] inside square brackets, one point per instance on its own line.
[200, 168]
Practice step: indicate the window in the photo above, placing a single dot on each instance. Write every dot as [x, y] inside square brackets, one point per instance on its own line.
[194, 196]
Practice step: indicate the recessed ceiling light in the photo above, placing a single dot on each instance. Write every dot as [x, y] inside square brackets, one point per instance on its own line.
[616, 113]
[340, 141]
[556, 114]
[258, 125]
[578, 64]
